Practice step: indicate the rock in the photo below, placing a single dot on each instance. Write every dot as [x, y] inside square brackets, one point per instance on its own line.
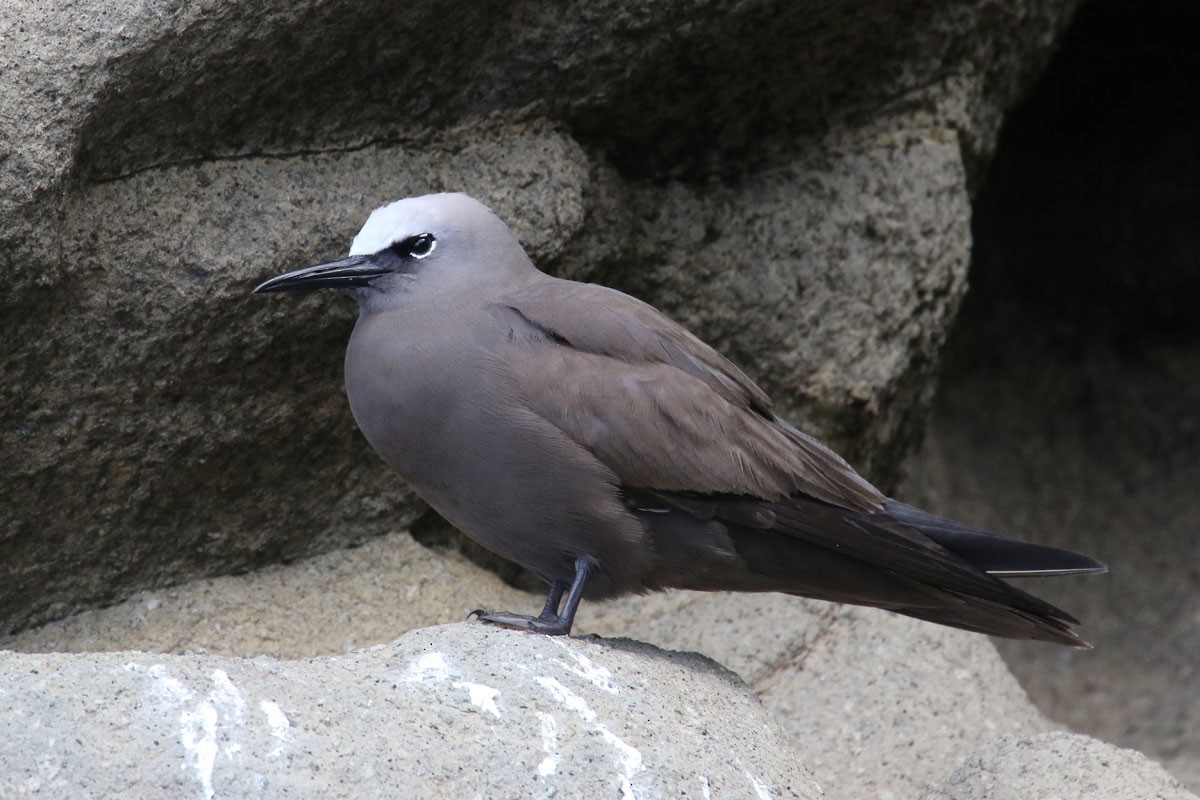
[1059, 765]
[874, 704]
[831, 277]
[452, 711]
[327, 605]
[1068, 409]
[871, 702]
[791, 179]
[884, 704]
[1112, 478]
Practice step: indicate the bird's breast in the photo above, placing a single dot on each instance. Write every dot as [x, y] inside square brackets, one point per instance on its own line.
[448, 414]
[408, 393]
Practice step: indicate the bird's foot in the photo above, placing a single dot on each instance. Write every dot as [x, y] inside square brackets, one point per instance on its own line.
[549, 625]
[552, 621]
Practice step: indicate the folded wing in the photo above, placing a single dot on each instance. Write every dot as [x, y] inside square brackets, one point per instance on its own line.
[661, 408]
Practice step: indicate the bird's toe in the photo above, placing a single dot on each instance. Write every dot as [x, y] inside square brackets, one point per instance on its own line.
[521, 622]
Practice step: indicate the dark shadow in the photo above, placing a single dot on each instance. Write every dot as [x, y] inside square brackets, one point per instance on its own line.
[1069, 410]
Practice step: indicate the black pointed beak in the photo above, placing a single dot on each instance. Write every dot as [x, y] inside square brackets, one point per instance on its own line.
[343, 274]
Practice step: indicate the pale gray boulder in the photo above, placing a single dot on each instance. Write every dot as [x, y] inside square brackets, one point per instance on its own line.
[452, 711]
[1060, 765]
[869, 702]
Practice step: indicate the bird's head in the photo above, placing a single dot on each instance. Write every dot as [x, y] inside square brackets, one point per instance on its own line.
[418, 247]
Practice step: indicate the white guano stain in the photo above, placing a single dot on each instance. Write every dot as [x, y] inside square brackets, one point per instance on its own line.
[197, 723]
[429, 667]
[198, 734]
[705, 789]
[549, 764]
[278, 724]
[482, 696]
[231, 706]
[433, 668]
[589, 670]
[207, 722]
[629, 759]
[760, 788]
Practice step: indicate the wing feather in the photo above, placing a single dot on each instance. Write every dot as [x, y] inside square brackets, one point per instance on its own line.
[658, 406]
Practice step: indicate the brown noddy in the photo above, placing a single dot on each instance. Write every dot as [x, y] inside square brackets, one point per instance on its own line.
[580, 433]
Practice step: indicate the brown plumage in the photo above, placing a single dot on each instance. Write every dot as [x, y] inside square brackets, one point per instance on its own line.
[582, 434]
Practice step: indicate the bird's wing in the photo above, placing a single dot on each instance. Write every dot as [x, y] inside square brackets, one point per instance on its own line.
[659, 407]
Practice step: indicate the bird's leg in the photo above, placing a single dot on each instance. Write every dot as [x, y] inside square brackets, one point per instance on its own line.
[553, 598]
[551, 621]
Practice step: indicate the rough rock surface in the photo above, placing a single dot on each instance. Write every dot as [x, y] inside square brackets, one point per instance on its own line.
[1096, 457]
[871, 702]
[791, 179]
[1069, 409]
[1058, 765]
[453, 711]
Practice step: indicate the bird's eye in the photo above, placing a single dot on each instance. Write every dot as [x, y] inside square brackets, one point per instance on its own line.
[417, 246]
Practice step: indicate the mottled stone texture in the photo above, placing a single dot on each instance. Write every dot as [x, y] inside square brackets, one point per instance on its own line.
[1058, 765]
[792, 179]
[1069, 409]
[454, 711]
[869, 703]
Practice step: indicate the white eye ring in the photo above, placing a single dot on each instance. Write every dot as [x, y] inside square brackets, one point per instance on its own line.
[420, 241]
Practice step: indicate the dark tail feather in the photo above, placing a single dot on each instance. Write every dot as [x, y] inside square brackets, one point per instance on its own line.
[898, 558]
[995, 619]
[992, 553]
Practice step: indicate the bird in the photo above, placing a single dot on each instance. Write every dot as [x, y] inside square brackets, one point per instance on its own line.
[581, 433]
